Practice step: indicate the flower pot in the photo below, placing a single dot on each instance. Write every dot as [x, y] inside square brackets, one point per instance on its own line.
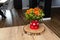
[34, 24]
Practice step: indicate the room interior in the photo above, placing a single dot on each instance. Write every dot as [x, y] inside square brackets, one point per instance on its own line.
[15, 9]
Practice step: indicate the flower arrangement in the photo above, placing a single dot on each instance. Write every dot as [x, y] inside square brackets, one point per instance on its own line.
[34, 14]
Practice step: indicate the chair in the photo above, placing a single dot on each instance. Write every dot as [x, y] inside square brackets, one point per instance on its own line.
[4, 7]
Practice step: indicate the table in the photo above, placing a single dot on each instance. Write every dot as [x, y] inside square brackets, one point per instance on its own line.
[17, 33]
[3, 1]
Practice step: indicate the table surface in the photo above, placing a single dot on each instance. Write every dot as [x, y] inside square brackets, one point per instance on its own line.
[17, 33]
[3, 1]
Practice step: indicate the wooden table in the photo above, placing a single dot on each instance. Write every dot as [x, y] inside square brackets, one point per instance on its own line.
[17, 33]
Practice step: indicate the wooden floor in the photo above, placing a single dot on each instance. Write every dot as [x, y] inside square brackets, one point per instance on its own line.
[54, 23]
[16, 18]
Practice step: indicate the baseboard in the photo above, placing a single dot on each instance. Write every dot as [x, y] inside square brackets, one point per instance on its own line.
[25, 8]
[55, 6]
[47, 18]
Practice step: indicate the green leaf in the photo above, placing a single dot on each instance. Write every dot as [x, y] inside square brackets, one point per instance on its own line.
[30, 14]
[27, 17]
[43, 14]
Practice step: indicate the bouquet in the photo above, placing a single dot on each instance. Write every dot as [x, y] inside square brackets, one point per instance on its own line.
[34, 14]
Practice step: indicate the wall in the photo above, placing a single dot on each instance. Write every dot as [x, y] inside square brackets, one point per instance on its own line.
[55, 3]
[25, 4]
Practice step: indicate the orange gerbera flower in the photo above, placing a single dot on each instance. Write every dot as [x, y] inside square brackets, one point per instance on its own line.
[37, 13]
[36, 9]
[28, 11]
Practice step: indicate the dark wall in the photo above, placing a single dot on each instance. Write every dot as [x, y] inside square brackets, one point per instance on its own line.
[17, 4]
[32, 3]
[47, 8]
